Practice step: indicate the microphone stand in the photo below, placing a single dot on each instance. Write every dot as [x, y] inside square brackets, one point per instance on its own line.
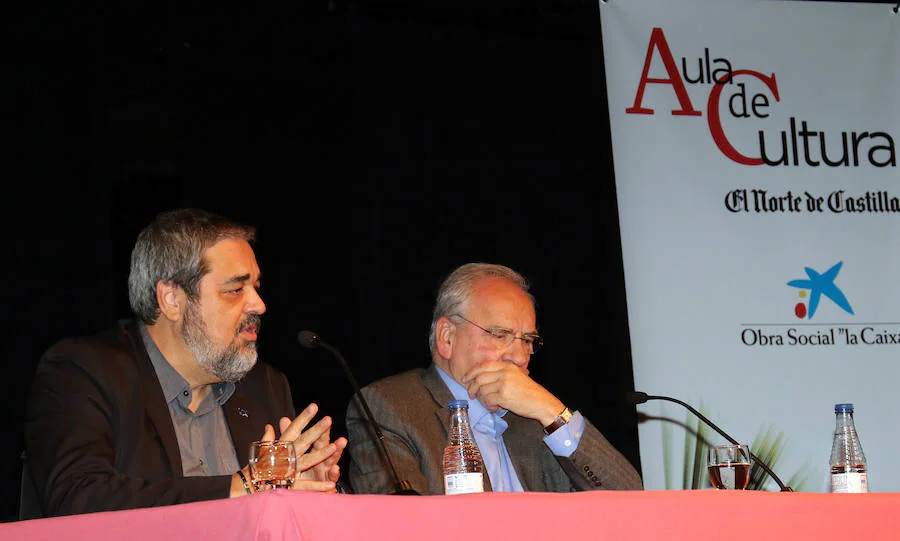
[638, 397]
[312, 340]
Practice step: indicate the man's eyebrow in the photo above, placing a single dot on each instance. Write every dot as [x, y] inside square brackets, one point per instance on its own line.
[237, 279]
[501, 328]
[507, 329]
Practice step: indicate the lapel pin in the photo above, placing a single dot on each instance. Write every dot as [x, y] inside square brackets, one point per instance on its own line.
[243, 413]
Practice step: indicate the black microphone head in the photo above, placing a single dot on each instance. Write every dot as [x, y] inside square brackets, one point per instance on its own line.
[636, 397]
[309, 339]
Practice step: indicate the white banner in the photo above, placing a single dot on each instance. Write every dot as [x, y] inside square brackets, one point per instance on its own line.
[755, 151]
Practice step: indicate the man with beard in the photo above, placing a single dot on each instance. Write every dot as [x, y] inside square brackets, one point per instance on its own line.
[161, 410]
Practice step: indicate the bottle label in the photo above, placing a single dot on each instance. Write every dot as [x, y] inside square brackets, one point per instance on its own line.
[463, 483]
[852, 482]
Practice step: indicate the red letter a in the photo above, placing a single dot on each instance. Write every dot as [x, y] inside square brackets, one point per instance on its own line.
[658, 40]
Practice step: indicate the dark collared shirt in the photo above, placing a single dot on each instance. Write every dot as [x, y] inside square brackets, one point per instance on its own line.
[203, 437]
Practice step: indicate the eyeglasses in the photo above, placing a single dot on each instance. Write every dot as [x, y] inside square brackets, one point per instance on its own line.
[504, 337]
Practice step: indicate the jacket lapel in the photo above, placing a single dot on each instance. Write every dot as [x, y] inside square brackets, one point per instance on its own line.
[519, 440]
[154, 400]
[239, 417]
[442, 396]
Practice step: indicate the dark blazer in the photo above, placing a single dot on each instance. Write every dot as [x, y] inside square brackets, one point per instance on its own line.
[411, 410]
[98, 435]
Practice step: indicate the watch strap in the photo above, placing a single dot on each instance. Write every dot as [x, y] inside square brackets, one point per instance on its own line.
[562, 419]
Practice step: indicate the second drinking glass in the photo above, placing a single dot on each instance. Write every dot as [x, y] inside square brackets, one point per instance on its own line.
[729, 466]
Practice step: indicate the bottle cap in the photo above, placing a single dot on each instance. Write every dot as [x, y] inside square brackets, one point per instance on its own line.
[843, 408]
[453, 404]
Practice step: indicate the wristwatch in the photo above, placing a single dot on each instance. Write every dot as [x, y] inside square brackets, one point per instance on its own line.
[561, 419]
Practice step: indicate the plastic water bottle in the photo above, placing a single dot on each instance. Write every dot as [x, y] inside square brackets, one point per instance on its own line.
[848, 462]
[463, 466]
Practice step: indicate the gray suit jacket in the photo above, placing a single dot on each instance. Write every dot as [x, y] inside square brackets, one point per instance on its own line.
[411, 411]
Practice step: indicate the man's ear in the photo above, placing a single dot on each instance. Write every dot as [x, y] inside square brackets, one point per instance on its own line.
[171, 300]
[445, 336]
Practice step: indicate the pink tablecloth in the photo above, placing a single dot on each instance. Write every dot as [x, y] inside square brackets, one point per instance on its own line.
[286, 515]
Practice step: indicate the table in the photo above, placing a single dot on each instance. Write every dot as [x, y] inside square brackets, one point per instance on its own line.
[675, 514]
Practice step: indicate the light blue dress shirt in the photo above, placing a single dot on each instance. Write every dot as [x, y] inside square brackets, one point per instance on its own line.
[488, 429]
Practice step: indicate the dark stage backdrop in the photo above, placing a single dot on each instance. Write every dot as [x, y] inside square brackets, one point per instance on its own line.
[373, 150]
[376, 145]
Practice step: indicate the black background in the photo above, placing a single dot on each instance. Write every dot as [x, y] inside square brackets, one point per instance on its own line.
[376, 145]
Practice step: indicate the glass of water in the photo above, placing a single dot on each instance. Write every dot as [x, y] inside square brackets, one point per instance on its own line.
[729, 466]
[273, 464]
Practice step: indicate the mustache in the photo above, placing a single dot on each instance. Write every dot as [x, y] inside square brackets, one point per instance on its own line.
[253, 320]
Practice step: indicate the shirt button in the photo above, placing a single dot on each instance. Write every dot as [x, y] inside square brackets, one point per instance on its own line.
[185, 393]
[567, 443]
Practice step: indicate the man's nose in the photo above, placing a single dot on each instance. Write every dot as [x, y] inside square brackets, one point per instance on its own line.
[255, 304]
[518, 353]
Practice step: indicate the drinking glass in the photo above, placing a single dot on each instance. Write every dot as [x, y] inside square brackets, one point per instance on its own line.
[729, 466]
[273, 464]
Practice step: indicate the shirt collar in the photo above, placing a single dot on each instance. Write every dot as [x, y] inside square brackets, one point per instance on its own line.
[174, 386]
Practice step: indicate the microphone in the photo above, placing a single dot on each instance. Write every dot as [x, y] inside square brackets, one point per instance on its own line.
[311, 340]
[637, 397]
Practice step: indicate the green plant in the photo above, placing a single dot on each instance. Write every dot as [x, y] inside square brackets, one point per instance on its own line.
[767, 446]
[693, 473]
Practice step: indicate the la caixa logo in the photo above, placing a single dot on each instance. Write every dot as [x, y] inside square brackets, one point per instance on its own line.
[817, 285]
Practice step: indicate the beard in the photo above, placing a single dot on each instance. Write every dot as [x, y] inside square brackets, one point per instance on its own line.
[229, 363]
